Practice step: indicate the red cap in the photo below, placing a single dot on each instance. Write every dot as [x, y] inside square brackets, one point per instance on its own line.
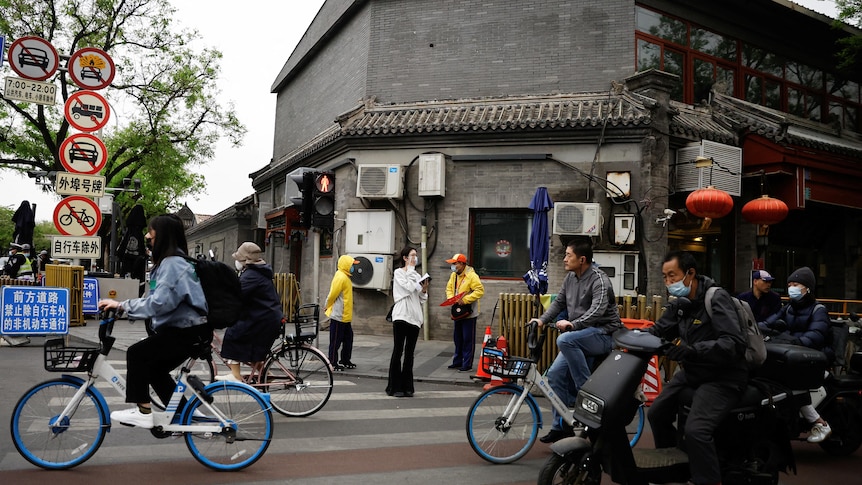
[458, 258]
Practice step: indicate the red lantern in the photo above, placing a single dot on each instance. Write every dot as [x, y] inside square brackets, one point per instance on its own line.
[764, 211]
[709, 203]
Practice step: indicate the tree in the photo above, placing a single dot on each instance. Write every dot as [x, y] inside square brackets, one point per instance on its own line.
[850, 12]
[166, 113]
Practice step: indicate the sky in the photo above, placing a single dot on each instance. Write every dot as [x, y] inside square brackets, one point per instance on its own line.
[246, 78]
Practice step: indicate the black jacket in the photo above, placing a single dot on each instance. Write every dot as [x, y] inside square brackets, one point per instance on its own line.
[719, 342]
[250, 338]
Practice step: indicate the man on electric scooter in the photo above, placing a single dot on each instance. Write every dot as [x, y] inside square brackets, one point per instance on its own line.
[711, 353]
[593, 317]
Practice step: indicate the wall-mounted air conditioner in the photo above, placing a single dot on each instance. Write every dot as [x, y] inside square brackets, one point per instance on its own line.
[577, 219]
[725, 173]
[380, 181]
[374, 271]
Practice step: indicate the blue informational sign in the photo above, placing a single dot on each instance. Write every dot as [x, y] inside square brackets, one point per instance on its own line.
[31, 310]
[91, 296]
[2, 46]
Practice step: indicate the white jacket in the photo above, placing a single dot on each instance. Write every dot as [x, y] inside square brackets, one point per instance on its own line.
[408, 296]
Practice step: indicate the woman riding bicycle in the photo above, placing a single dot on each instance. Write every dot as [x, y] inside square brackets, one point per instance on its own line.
[175, 304]
[251, 337]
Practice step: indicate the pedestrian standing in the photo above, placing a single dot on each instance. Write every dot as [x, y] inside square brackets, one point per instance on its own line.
[339, 309]
[410, 292]
[464, 281]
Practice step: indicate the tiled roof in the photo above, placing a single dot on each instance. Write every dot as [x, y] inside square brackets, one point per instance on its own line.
[498, 114]
[507, 115]
[784, 128]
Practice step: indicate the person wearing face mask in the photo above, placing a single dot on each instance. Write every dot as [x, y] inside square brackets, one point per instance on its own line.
[711, 353]
[14, 261]
[804, 322]
[588, 299]
[339, 309]
[464, 280]
[251, 337]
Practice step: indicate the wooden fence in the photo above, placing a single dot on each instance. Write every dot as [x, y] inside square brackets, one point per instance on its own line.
[515, 309]
[288, 291]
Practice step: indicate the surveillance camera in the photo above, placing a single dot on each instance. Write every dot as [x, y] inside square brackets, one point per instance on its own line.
[669, 212]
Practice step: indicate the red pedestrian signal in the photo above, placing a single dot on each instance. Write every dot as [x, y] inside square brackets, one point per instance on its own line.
[323, 200]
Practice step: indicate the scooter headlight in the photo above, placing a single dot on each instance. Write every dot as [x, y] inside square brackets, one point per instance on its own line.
[590, 404]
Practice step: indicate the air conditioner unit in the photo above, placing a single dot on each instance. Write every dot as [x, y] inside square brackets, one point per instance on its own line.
[577, 219]
[380, 182]
[374, 271]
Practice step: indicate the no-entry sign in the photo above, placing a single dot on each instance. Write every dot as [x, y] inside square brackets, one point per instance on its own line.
[91, 68]
[77, 216]
[83, 153]
[87, 111]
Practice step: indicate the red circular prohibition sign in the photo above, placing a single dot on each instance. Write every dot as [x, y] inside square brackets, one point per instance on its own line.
[77, 216]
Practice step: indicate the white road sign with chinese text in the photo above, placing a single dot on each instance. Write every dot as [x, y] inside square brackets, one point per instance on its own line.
[20, 89]
[78, 184]
[85, 247]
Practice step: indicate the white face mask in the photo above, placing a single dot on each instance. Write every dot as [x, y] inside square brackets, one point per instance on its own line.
[239, 265]
[453, 268]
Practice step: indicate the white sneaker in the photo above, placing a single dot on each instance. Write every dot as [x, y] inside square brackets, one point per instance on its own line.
[819, 432]
[227, 377]
[133, 417]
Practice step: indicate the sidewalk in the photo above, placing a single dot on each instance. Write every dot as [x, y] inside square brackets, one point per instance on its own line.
[371, 353]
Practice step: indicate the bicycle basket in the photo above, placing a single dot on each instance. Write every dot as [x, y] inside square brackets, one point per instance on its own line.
[59, 358]
[306, 322]
[497, 364]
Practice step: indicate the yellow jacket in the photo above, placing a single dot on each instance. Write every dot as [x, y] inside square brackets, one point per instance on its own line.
[468, 282]
[339, 303]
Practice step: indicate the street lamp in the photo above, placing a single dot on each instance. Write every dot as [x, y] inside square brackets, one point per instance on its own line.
[135, 185]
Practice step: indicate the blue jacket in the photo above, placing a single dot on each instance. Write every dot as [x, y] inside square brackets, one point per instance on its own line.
[176, 298]
[250, 338]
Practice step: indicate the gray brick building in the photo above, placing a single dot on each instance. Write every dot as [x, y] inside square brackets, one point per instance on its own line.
[511, 96]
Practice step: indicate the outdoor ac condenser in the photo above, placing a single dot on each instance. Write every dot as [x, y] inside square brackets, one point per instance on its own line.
[373, 272]
[380, 181]
[577, 219]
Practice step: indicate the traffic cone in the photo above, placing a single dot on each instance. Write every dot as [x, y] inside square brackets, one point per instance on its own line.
[503, 346]
[480, 372]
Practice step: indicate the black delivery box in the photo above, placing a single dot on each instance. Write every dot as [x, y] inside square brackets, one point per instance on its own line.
[794, 366]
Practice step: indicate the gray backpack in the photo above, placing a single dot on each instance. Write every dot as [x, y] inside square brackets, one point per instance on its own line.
[755, 350]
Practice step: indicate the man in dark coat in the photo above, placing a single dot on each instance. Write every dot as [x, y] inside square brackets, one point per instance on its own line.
[251, 337]
[25, 223]
[711, 353]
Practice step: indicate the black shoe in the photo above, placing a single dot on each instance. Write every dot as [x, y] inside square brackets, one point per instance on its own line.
[337, 367]
[465, 369]
[408, 394]
[555, 435]
[348, 365]
[399, 394]
[454, 366]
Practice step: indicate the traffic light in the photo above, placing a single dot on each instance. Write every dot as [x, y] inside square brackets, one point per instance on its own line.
[323, 200]
[304, 179]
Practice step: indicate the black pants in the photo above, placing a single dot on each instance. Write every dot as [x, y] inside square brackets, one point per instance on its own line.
[712, 401]
[401, 375]
[151, 361]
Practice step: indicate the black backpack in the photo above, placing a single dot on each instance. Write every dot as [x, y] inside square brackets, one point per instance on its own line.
[221, 289]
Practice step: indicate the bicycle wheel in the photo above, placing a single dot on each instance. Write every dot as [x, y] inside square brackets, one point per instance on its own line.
[298, 380]
[497, 437]
[203, 368]
[248, 437]
[45, 442]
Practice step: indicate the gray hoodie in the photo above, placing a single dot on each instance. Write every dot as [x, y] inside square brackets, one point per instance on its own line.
[589, 301]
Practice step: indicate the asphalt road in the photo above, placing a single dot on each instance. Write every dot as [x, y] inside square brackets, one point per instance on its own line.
[361, 436]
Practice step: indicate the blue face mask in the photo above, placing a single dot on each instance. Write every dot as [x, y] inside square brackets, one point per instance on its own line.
[679, 289]
[351, 269]
[794, 292]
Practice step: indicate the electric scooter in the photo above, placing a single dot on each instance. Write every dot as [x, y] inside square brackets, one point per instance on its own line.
[753, 441]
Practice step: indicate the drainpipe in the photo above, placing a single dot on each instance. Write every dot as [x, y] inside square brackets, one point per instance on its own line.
[426, 333]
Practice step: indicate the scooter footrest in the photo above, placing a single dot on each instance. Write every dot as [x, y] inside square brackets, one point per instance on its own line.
[660, 458]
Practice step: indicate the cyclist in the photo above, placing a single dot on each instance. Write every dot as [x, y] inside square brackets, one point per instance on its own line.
[174, 303]
[588, 298]
[251, 337]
